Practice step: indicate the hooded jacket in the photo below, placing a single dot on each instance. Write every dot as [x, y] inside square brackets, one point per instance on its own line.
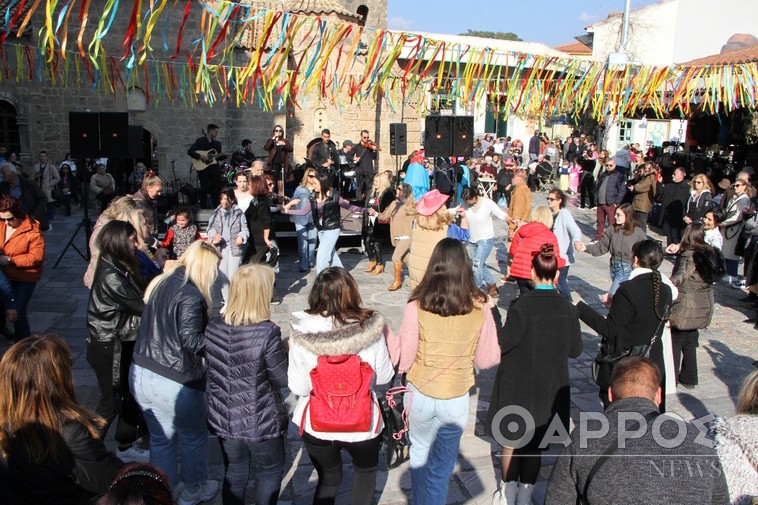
[314, 336]
[527, 240]
[693, 307]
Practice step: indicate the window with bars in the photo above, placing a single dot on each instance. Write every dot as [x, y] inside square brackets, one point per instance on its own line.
[625, 131]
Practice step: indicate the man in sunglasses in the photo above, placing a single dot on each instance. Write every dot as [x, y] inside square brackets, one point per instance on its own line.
[609, 193]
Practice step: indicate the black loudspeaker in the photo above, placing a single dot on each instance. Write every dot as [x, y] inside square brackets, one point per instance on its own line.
[439, 136]
[84, 134]
[463, 136]
[135, 143]
[398, 139]
[114, 134]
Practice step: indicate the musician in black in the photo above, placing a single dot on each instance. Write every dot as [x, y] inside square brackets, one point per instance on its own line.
[210, 177]
[364, 155]
[347, 167]
[324, 154]
[244, 155]
[279, 149]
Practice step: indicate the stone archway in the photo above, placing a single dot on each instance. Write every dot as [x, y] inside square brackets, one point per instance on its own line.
[14, 126]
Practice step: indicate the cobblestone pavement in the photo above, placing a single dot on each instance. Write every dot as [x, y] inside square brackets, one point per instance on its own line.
[727, 351]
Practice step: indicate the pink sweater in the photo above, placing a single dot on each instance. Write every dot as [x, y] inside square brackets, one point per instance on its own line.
[404, 345]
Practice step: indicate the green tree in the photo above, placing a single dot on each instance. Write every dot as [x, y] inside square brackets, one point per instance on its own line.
[491, 35]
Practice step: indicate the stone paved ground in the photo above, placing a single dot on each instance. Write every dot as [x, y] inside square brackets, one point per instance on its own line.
[727, 351]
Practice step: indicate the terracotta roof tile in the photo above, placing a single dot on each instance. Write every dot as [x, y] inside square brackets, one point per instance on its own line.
[745, 55]
[575, 48]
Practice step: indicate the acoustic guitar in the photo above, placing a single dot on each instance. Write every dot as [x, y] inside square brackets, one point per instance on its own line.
[213, 158]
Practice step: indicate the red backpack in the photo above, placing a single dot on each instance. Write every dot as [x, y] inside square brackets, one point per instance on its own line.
[341, 399]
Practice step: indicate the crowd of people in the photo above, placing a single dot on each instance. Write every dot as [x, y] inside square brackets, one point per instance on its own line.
[171, 370]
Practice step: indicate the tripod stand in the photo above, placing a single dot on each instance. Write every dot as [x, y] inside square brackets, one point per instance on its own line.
[85, 223]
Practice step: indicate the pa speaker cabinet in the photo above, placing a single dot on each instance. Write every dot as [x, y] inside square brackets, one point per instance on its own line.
[398, 139]
[463, 136]
[439, 136]
[135, 143]
[84, 134]
[114, 134]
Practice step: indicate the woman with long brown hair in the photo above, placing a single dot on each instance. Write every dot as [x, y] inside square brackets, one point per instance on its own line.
[50, 445]
[336, 324]
[617, 240]
[447, 329]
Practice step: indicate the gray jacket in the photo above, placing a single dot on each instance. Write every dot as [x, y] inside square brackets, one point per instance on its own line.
[617, 243]
[642, 471]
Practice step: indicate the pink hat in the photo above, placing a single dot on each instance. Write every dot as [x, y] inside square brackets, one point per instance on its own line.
[431, 202]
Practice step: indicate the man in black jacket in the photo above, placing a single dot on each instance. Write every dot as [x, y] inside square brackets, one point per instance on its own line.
[609, 193]
[364, 156]
[675, 196]
[650, 464]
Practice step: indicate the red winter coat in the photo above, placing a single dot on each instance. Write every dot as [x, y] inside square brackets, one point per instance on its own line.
[528, 240]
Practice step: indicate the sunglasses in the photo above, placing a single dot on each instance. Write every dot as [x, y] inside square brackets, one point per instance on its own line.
[7, 219]
[698, 182]
[610, 165]
[550, 199]
[311, 176]
[278, 131]
[270, 184]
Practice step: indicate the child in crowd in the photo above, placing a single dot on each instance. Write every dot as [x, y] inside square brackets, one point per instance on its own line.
[181, 235]
[227, 230]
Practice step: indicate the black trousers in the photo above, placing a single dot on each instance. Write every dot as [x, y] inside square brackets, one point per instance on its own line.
[210, 186]
[363, 183]
[113, 401]
[685, 344]
[586, 189]
[327, 459]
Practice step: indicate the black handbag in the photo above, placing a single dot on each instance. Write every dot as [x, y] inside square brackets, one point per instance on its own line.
[395, 434]
[604, 362]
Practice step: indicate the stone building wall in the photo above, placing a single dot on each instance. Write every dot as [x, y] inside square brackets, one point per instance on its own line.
[42, 112]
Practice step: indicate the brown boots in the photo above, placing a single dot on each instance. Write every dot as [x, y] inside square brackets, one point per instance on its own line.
[371, 266]
[398, 276]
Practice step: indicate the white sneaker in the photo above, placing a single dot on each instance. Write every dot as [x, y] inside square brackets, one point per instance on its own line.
[197, 493]
[133, 455]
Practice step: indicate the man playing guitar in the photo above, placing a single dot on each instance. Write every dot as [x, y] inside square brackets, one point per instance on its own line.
[206, 150]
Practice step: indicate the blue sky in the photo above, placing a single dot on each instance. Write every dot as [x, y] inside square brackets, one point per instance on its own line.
[552, 22]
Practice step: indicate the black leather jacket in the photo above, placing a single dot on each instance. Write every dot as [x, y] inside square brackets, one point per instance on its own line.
[115, 303]
[171, 340]
[330, 213]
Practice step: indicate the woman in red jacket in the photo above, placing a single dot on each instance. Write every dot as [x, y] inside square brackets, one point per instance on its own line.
[527, 242]
[22, 255]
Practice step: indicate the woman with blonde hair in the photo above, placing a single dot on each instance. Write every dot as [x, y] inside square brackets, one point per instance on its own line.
[304, 226]
[701, 199]
[49, 443]
[167, 376]
[400, 215]
[247, 335]
[147, 199]
[374, 230]
[527, 242]
[126, 209]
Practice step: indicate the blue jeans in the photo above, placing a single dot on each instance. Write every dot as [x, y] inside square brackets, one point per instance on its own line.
[306, 245]
[327, 250]
[267, 458]
[620, 272]
[479, 252]
[563, 286]
[436, 427]
[176, 418]
[23, 292]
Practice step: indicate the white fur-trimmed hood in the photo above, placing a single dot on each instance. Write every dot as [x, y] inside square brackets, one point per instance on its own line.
[320, 336]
